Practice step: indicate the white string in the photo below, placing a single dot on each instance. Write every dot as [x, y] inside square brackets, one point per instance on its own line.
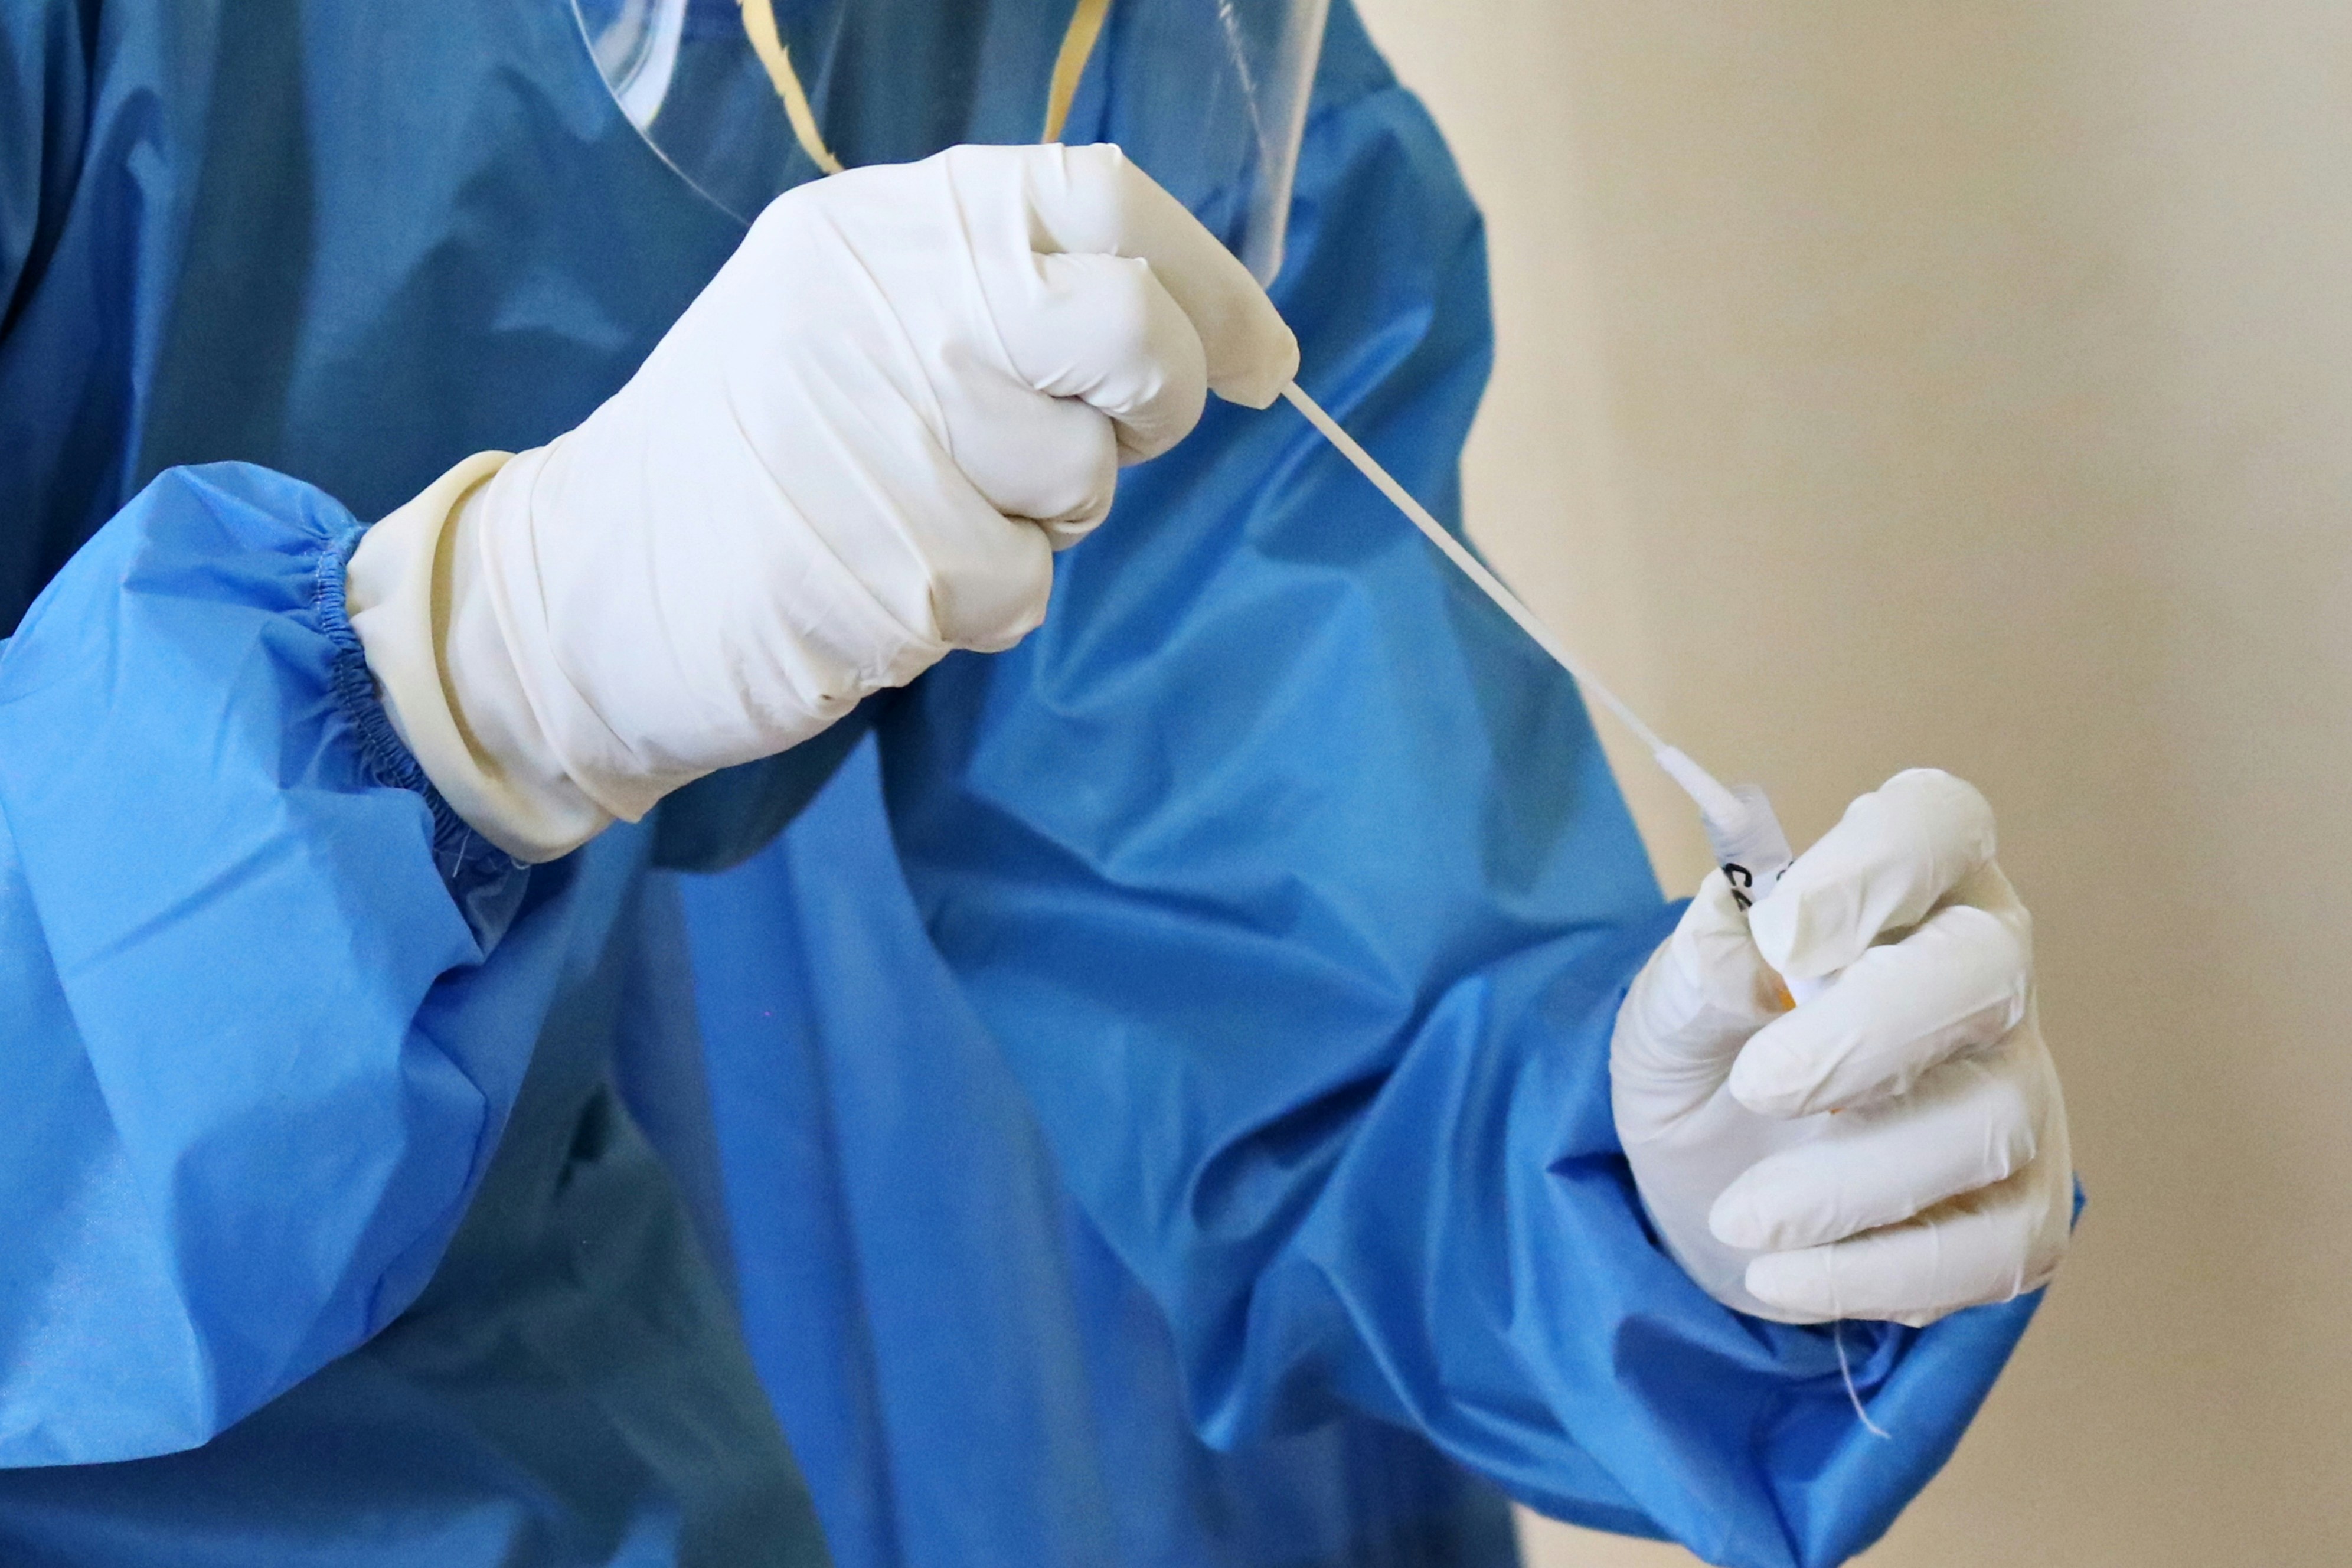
[1845, 1368]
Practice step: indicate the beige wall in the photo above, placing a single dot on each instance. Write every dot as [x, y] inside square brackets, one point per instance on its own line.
[1971, 384]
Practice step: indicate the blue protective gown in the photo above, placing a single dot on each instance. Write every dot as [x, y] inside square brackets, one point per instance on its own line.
[1190, 1026]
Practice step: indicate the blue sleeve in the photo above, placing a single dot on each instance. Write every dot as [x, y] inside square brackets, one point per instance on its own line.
[254, 1060]
[1294, 884]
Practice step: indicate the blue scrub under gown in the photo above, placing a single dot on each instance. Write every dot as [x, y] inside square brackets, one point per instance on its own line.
[1137, 1099]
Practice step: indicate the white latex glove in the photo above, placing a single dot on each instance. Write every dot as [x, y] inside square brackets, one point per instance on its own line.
[1896, 1147]
[858, 450]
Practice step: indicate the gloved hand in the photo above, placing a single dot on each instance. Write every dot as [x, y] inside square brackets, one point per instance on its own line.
[1894, 1148]
[856, 450]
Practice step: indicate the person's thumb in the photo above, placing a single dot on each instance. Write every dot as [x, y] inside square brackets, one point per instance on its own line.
[1694, 1006]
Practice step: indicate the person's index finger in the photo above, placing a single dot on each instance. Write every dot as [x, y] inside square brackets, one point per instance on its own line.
[1092, 199]
[1895, 854]
[1958, 983]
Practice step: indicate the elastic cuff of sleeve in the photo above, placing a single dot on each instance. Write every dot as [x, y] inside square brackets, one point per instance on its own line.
[407, 585]
[485, 881]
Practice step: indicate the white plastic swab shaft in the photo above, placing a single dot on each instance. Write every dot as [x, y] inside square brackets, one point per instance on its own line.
[1475, 570]
[1716, 803]
[1741, 826]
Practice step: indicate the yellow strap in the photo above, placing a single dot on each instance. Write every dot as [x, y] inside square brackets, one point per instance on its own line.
[1069, 66]
[759, 25]
[1077, 47]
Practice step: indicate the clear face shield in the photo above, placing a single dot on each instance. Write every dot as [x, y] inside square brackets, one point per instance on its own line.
[745, 98]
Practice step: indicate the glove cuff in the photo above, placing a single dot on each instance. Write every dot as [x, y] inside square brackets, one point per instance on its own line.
[447, 678]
